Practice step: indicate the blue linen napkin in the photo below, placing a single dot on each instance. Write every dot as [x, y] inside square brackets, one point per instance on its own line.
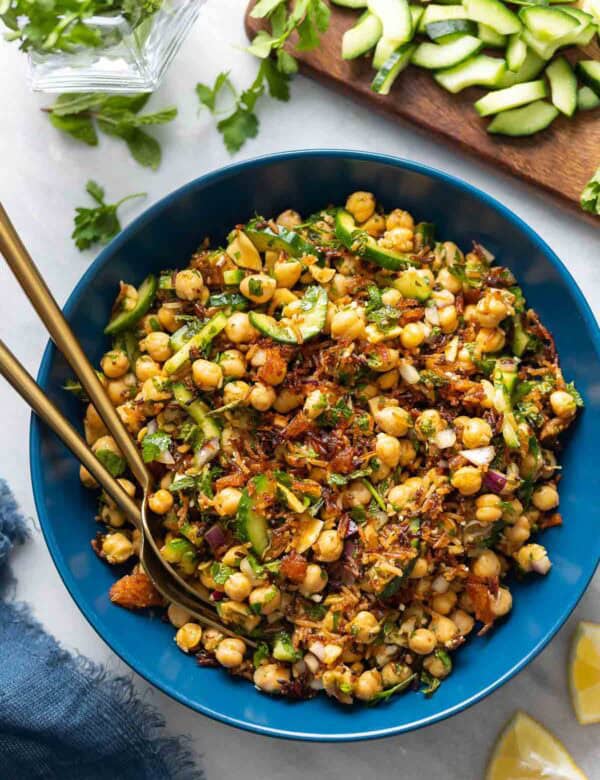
[63, 717]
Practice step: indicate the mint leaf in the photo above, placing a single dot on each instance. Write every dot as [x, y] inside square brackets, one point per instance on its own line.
[112, 462]
[154, 444]
[221, 573]
[80, 127]
[100, 223]
[590, 197]
[144, 149]
[158, 118]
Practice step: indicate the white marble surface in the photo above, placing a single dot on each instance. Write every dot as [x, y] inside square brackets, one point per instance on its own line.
[42, 175]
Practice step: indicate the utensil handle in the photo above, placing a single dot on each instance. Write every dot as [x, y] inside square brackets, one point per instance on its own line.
[28, 276]
[25, 386]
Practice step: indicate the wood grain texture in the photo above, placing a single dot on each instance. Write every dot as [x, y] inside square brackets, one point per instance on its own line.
[559, 160]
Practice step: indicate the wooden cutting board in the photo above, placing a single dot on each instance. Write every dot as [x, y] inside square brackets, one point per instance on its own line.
[559, 160]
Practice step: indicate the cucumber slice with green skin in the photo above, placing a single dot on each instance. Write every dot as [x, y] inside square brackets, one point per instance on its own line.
[589, 72]
[388, 73]
[314, 315]
[416, 12]
[587, 99]
[440, 13]
[251, 526]
[350, 3]
[482, 71]
[529, 70]
[165, 281]
[434, 56]
[127, 319]
[233, 276]
[494, 14]
[450, 30]
[490, 37]
[548, 25]
[512, 97]
[197, 410]
[582, 16]
[544, 50]
[387, 46]
[524, 121]
[200, 341]
[426, 233]
[353, 238]
[516, 52]
[284, 240]
[563, 86]
[184, 334]
[362, 37]
[395, 18]
[284, 650]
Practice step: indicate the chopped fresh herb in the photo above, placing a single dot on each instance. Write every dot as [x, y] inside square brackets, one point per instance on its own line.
[384, 695]
[261, 654]
[444, 658]
[519, 302]
[574, 393]
[431, 683]
[433, 379]
[528, 412]
[332, 416]
[205, 481]
[99, 224]
[154, 444]
[590, 197]
[382, 315]
[358, 514]
[191, 433]
[220, 572]
[364, 422]
[255, 287]
[182, 483]
[315, 611]
[112, 462]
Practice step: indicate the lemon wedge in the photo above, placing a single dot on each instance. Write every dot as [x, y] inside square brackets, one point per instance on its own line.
[584, 673]
[526, 751]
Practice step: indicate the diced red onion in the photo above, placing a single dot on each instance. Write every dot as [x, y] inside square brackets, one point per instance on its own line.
[480, 456]
[152, 426]
[317, 649]
[409, 373]
[351, 529]
[349, 548]
[216, 595]
[494, 481]
[446, 438]
[541, 565]
[432, 315]
[166, 458]
[207, 452]
[215, 537]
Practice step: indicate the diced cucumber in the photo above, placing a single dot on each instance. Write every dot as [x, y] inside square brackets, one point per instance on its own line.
[395, 18]
[493, 13]
[284, 240]
[233, 276]
[314, 314]
[197, 410]
[589, 72]
[512, 97]
[516, 52]
[388, 73]
[490, 37]
[592, 7]
[348, 232]
[251, 525]
[563, 86]
[450, 30]
[434, 56]
[127, 319]
[416, 12]
[413, 285]
[200, 341]
[587, 99]
[548, 25]
[524, 121]
[582, 17]
[440, 13]
[529, 70]
[383, 51]
[362, 37]
[183, 334]
[351, 3]
[480, 71]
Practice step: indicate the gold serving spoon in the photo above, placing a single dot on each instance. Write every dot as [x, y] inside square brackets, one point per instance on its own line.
[32, 394]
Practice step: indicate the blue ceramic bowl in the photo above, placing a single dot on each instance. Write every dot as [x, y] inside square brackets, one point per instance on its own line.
[165, 236]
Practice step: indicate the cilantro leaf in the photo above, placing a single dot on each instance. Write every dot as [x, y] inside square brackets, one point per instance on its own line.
[154, 444]
[385, 694]
[261, 654]
[265, 8]
[574, 393]
[590, 197]
[208, 95]
[100, 223]
[112, 462]
[238, 128]
[220, 572]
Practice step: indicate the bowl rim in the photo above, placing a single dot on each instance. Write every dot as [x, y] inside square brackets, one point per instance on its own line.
[35, 460]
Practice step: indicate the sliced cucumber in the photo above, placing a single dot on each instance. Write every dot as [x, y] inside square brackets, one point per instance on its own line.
[199, 341]
[395, 18]
[313, 307]
[434, 56]
[548, 25]
[512, 97]
[563, 86]
[383, 51]
[362, 37]
[440, 13]
[233, 276]
[350, 3]
[283, 241]
[416, 12]
[494, 14]
[587, 99]
[490, 37]
[529, 70]
[482, 71]
[127, 319]
[251, 525]
[516, 51]
[388, 73]
[589, 72]
[348, 232]
[582, 16]
[524, 121]
[197, 410]
[450, 30]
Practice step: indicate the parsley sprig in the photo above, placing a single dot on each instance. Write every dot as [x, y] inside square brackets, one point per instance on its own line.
[99, 224]
[590, 197]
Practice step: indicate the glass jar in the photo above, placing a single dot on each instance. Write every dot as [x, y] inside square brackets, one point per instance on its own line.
[131, 57]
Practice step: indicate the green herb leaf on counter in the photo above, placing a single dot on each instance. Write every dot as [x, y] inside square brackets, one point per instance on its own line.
[98, 224]
[590, 197]
[117, 115]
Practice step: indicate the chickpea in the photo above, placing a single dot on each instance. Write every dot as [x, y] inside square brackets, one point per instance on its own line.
[393, 420]
[407, 452]
[490, 339]
[486, 565]
[413, 335]
[120, 390]
[178, 616]
[545, 498]
[563, 404]
[106, 443]
[533, 557]
[146, 368]
[117, 548]
[489, 508]
[271, 677]
[230, 652]
[448, 319]
[467, 480]
[235, 392]
[375, 226]
[356, 494]
[167, 317]
[444, 603]
[436, 667]
[347, 323]
[115, 363]
[391, 297]
[361, 205]
[86, 479]
[315, 579]
[399, 218]
[267, 598]
[422, 641]
[286, 401]
[476, 433]
[160, 502]
[388, 380]
[156, 344]
[93, 424]
[364, 627]
[188, 637]
[287, 273]
[368, 685]
[208, 376]
[399, 238]
[448, 281]
[189, 284]
[444, 629]
[227, 500]
[387, 449]
[262, 397]
[491, 309]
[289, 219]
[315, 404]
[211, 638]
[463, 621]
[502, 604]
[239, 328]
[238, 586]
[233, 363]
[518, 533]
[419, 569]
[112, 516]
[259, 288]
[428, 423]
[394, 673]
[127, 486]
[155, 389]
[328, 547]
[400, 495]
